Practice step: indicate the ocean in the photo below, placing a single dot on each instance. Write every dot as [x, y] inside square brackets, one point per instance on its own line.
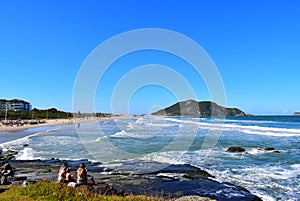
[199, 141]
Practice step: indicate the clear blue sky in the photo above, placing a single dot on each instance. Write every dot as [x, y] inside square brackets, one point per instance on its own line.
[255, 45]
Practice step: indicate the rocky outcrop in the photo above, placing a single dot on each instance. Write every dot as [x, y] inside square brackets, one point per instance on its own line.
[236, 149]
[7, 155]
[194, 108]
[271, 149]
[172, 181]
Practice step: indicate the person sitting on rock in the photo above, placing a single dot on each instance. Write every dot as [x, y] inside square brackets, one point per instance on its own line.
[63, 166]
[62, 175]
[69, 176]
[82, 174]
[6, 172]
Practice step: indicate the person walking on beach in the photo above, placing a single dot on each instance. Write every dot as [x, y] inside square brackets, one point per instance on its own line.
[82, 174]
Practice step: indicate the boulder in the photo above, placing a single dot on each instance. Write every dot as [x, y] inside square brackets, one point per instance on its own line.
[235, 149]
[269, 149]
[9, 151]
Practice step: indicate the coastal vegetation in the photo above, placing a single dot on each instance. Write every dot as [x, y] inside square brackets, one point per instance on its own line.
[51, 191]
[51, 113]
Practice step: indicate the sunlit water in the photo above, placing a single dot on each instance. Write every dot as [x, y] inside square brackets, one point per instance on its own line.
[198, 141]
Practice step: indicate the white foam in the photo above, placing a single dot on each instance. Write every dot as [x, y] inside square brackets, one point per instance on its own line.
[275, 134]
[101, 138]
[257, 130]
[170, 175]
[255, 151]
[27, 154]
[59, 140]
[24, 140]
[17, 142]
[267, 177]
[121, 134]
[170, 157]
[140, 121]
[159, 124]
[130, 126]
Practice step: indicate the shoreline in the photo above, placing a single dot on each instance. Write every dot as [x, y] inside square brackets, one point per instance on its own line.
[50, 122]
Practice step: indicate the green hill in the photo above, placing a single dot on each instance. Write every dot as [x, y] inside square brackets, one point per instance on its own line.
[194, 108]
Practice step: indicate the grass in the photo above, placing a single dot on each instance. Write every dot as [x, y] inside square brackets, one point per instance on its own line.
[50, 191]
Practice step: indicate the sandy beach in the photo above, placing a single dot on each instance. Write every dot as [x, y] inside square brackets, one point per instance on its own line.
[50, 122]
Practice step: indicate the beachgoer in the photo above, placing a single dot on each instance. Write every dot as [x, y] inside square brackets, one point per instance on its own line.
[69, 176]
[62, 173]
[6, 172]
[63, 166]
[82, 174]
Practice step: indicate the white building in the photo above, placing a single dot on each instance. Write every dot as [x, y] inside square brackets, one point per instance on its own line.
[15, 105]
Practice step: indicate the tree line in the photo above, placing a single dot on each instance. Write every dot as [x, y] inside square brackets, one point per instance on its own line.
[51, 113]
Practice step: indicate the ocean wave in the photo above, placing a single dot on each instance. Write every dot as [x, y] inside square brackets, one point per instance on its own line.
[101, 138]
[27, 154]
[275, 134]
[267, 177]
[135, 134]
[255, 151]
[257, 130]
[121, 134]
[170, 157]
[17, 142]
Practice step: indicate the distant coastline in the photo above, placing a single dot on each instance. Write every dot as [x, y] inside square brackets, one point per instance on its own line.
[296, 113]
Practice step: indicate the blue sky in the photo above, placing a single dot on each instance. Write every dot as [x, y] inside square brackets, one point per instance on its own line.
[255, 46]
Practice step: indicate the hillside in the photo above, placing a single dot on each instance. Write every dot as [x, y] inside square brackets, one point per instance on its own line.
[194, 108]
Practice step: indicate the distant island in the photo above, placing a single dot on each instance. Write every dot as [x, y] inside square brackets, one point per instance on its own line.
[297, 113]
[194, 108]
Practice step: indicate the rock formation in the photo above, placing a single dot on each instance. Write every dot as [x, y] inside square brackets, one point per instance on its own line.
[194, 108]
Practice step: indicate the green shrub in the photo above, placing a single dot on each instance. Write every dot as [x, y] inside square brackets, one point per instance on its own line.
[50, 191]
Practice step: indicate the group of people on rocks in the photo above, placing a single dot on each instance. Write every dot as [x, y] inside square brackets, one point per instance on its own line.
[65, 176]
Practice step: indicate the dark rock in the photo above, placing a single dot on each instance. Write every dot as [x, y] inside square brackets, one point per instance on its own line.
[209, 189]
[196, 177]
[235, 149]
[296, 113]
[12, 152]
[184, 168]
[9, 157]
[22, 178]
[269, 149]
[3, 189]
[25, 145]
